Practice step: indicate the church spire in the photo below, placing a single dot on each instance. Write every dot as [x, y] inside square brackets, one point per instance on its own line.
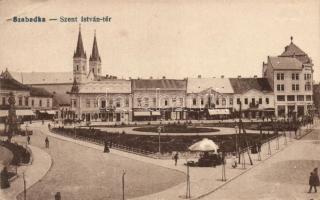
[79, 53]
[95, 52]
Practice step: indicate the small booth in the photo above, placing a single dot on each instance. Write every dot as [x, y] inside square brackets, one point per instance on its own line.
[209, 156]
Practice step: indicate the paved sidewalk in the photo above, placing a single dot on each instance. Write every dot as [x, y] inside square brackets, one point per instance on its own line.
[204, 180]
[33, 173]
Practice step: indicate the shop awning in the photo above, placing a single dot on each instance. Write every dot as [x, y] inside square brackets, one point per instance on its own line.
[51, 112]
[219, 112]
[4, 113]
[42, 111]
[155, 113]
[24, 112]
[142, 113]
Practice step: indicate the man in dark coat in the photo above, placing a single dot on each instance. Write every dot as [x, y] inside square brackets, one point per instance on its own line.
[313, 181]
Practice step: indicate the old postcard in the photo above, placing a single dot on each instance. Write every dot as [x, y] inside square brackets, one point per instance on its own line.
[159, 100]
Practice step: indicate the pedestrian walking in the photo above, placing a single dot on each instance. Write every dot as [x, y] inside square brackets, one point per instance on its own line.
[47, 142]
[49, 126]
[234, 160]
[176, 157]
[28, 139]
[312, 182]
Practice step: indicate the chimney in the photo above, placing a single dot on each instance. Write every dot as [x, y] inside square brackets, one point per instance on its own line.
[129, 77]
[239, 76]
[199, 76]
[255, 76]
[163, 77]
[222, 76]
[151, 77]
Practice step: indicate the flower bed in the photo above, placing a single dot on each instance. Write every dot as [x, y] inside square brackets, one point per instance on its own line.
[176, 129]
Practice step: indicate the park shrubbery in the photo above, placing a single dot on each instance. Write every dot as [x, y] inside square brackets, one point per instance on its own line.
[20, 154]
[168, 143]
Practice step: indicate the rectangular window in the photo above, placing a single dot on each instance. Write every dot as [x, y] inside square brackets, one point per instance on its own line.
[290, 98]
[295, 87]
[181, 102]
[280, 87]
[307, 87]
[295, 76]
[280, 98]
[202, 101]
[154, 102]
[20, 101]
[88, 103]
[146, 102]
[40, 102]
[267, 100]
[118, 103]
[223, 101]
[26, 101]
[300, 98]
[127, 102]
[231, 101]
[246, 101]
[308, 97]
[103, 103]
[217, 101]
[139, 102]
[253, 101]
[238, 101]
[3, 100]
[260, 100]
[48, 103]
[32, 102]
[194, 101]
[166, 102]
[280, 76]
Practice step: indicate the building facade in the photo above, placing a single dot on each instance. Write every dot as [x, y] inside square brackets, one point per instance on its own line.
[291, 77]
[209, 98]
[157, 99]
[255, 96]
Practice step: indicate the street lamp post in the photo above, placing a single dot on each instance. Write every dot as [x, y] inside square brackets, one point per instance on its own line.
[123, 174]
[159, 141]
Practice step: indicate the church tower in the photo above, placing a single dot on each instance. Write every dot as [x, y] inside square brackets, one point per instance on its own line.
[80, 61]
[95, 60]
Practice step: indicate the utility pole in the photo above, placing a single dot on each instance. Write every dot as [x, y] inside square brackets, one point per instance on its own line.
[123, 173]
[24, 187]
[188, 192]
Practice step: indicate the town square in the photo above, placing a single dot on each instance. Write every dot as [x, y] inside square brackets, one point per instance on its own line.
[221, 102]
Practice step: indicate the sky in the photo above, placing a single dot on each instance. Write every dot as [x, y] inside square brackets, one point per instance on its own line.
[176, 39]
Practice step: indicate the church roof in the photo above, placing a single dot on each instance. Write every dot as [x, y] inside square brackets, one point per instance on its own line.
[43, 77]
[79, 53]
[95, 52]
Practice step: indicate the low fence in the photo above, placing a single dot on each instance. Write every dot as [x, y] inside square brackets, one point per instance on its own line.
[114, 145]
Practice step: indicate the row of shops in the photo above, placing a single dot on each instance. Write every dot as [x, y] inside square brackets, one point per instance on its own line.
[27, 115]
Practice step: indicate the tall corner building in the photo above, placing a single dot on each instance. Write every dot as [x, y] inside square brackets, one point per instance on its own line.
[291, 77]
